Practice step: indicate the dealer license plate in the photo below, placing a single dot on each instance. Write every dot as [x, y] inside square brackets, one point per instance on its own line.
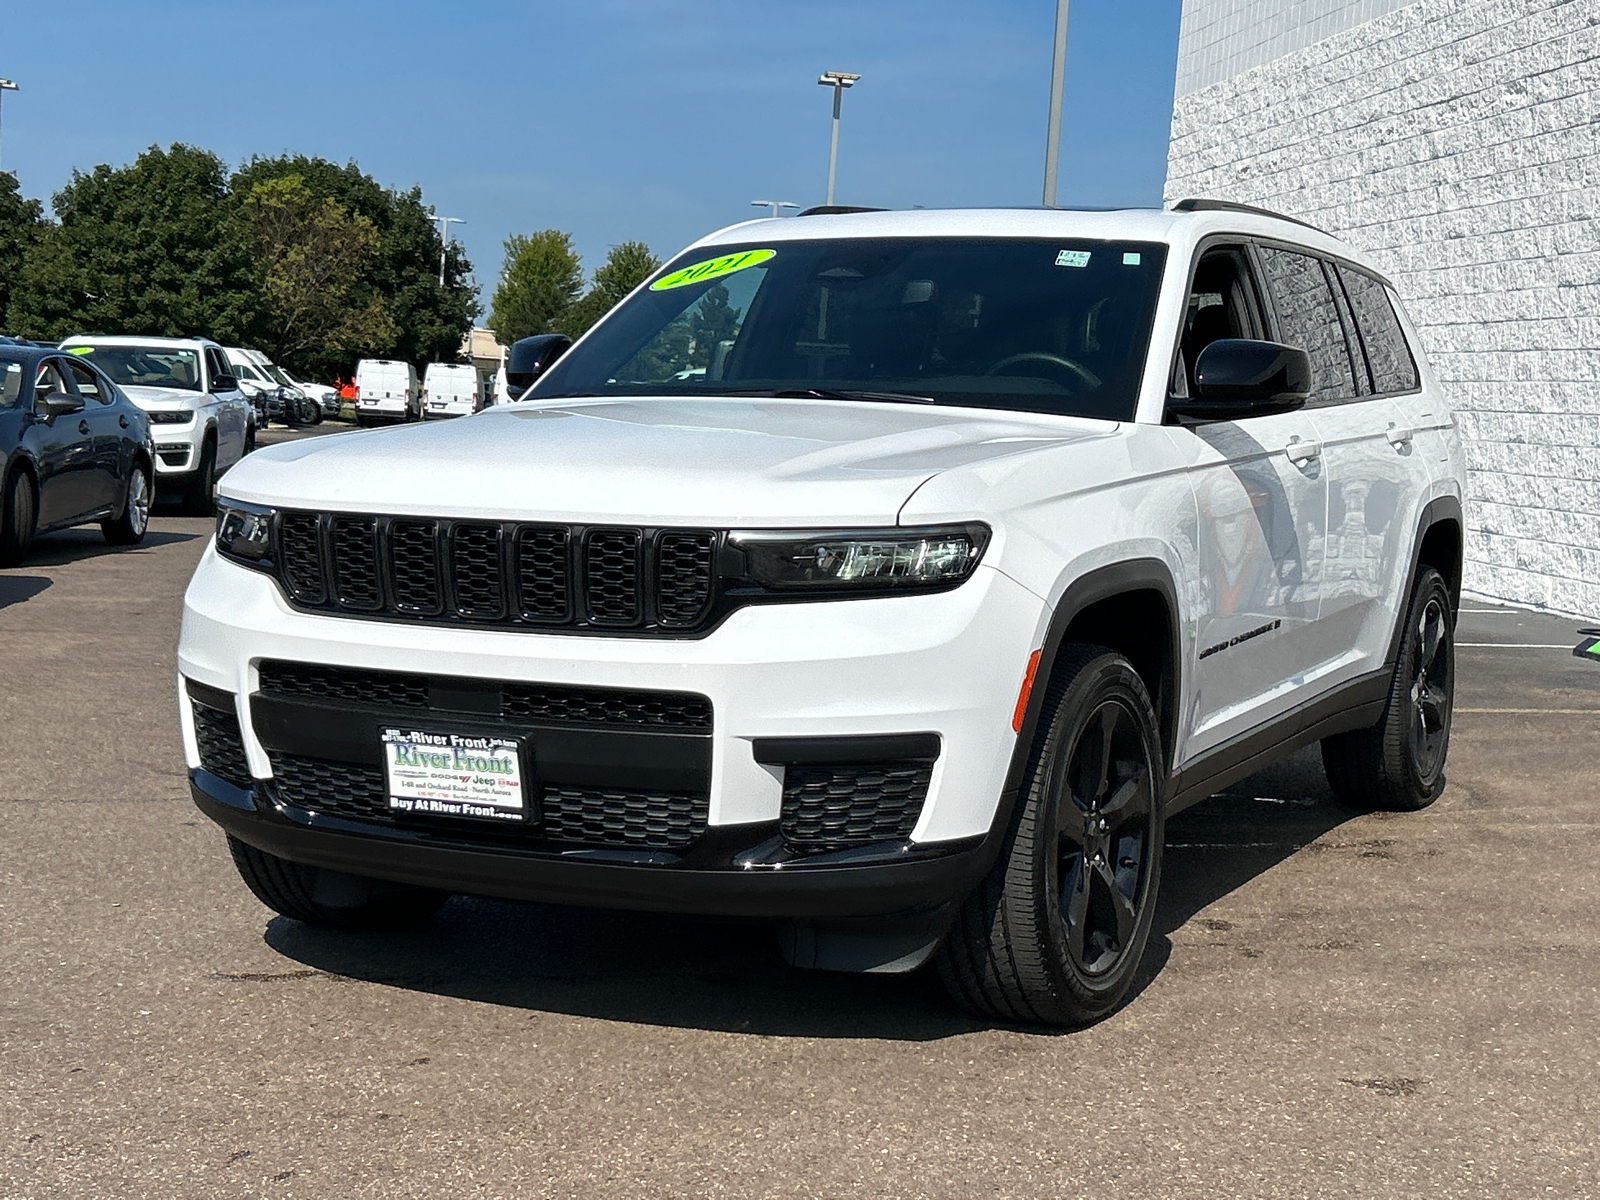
[454, 775]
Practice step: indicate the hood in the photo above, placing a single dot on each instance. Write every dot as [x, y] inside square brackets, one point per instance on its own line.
[716, 461]
[160, 399]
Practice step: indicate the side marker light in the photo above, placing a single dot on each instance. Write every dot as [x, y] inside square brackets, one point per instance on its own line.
[1027, 686]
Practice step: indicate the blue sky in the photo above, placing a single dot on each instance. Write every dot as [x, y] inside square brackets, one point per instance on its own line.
[611, 119]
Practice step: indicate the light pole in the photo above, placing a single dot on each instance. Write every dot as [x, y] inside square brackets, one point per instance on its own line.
[774, 205]
[1052, 137]
[838, 81]
[444, 240]
[7, 86]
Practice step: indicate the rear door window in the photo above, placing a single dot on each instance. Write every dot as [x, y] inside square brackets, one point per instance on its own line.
[88, 383]
[1308, 319]
[1394, 370]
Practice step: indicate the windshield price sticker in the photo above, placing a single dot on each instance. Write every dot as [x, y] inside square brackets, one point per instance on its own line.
[712, 268]
[1073, 258]
[450, 775]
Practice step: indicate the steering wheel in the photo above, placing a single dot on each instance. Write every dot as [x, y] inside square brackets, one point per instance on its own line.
[1079, 373]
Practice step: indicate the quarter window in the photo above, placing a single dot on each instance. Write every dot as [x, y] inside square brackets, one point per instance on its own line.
[1308, 319]
[1393, 368]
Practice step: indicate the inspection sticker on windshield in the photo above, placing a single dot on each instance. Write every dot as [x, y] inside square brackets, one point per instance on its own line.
[451, 775]
[1073, 258]
[712, 268]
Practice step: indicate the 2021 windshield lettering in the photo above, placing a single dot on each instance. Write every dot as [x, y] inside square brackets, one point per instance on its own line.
[712, 268]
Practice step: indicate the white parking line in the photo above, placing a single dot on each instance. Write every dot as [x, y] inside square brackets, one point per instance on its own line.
[1513, 645]
[1564, 712]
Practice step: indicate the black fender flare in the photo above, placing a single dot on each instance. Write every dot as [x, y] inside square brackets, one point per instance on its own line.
[1438, 511]
[1103, 583]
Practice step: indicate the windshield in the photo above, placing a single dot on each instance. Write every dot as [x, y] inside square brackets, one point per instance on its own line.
[145, 366]
[277, 374]
[1055, 327]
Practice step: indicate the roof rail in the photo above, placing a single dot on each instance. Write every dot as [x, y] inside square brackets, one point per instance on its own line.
[829, 210]
[1201, 204]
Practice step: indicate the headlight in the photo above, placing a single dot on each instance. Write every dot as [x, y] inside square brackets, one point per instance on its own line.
[868, 560]
[244, 532]
[170, 418]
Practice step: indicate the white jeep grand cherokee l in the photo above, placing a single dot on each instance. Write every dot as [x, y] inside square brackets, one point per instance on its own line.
[891, 575]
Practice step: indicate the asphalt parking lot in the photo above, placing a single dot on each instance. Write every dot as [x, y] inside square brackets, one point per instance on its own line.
[1332, 1004]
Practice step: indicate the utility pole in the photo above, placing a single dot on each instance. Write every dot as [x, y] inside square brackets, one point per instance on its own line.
[838, 81]
[7, 86]
[1058, 75]
[444, 240]
[774, 205]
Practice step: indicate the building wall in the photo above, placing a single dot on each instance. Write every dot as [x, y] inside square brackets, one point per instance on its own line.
[1458, 142]
[1219, 39]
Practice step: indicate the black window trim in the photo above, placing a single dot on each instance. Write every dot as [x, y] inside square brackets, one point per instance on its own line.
[1342, 264]
[1263, 318]
[1322, 260]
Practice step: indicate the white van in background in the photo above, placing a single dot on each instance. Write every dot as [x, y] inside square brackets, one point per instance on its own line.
[386, 390]
[452, 390]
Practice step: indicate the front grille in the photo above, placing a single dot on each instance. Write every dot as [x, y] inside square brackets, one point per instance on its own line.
[535, 703]
[605, 817]
[506, 573]
[221, 744]
[837, 805]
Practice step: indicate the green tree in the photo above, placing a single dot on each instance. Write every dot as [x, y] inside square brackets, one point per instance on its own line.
[539, 283]
[429, 319]
[627, 265]
[21, 225]
[154, 247]
[711, 321]
[314, 257]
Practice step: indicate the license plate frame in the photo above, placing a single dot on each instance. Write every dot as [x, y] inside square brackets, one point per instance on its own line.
[458, 774]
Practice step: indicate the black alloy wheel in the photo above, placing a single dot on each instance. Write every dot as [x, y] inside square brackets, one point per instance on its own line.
[1056, 932]
[1398, 764]
[1103, 816]
[19, 516]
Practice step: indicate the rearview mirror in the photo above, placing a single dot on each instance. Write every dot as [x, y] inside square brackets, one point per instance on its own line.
[1238, 377]
[61, 404]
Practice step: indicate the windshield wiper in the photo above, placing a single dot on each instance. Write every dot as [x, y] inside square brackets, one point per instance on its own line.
[848, 394]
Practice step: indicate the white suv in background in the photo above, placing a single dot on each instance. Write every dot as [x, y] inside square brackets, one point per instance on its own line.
[890, 575]
[202, 423]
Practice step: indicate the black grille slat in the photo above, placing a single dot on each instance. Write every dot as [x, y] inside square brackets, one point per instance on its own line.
[506, 573]
[685, 562]
[544, 574]
[301, 551]
[836, 805]
[355, 563]
[527, 702]
[609, 817]
[611, 576]
[476, 570]
[414, 567]
[221, 744]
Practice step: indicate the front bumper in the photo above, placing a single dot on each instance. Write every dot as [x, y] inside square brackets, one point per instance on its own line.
[177, 447]
[947, 664]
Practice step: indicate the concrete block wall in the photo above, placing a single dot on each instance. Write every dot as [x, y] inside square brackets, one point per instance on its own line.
[1219, 39]
[1458, 142]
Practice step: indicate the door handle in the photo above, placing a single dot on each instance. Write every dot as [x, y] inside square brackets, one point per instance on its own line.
[1300, 453]
[123, 421]
[1399, 437]
[83, 427]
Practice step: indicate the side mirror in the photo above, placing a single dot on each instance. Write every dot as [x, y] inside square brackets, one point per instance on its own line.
[224, 383]
[1237, 378]
[61, 404]
[530, 357]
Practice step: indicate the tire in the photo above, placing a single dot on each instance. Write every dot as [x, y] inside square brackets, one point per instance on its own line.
[250, 440]
[199, 497]
[19, 517]
[1398, 764]
[361, 421]
[332, 899]
[129, 528]
[1056, 932]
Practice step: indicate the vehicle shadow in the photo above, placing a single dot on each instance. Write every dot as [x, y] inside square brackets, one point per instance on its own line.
[18, 589]
[75, 545]
[728, 976]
